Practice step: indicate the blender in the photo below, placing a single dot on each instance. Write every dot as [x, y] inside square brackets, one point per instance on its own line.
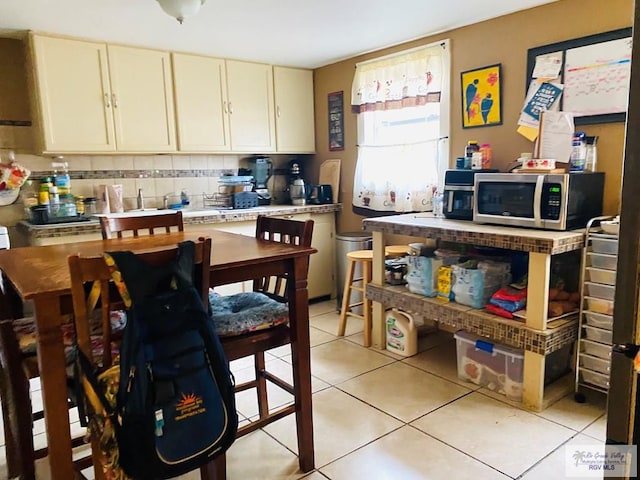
[262, 168]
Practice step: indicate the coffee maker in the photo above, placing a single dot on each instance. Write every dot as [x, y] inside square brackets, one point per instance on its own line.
[262, 169]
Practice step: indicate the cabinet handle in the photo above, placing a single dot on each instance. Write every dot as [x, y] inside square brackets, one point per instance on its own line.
[230, 108]
[107, 101]
[115, 100]
[224, 107]
[278, 111]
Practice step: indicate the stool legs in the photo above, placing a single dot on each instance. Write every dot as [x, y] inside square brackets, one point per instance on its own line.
[366, 303]
[346, 296]
[346, 299]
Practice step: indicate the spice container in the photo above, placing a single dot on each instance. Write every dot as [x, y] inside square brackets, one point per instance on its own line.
[90, 206]
[79, 204]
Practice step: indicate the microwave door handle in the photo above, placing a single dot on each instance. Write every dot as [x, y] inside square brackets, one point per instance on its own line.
[450, 202]
[537, 201]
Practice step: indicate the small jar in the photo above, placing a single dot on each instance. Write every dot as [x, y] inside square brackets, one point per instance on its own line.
[90, 206]
[79, 199]
[67, 205]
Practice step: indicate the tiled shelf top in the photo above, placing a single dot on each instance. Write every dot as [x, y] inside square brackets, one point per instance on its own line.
[462, 231]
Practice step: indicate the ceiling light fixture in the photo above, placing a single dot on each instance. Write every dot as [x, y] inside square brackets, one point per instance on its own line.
[181, 9]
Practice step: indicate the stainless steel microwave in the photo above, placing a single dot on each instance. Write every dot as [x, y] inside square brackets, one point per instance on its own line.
[545, 201]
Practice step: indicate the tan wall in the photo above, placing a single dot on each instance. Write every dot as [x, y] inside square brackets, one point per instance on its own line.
[503, 40]
[14, 100]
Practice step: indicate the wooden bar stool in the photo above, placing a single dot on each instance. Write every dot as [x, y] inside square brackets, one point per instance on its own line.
[394, 251]
[364, 258]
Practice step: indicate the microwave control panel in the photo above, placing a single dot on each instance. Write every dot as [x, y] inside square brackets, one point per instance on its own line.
[551, 201]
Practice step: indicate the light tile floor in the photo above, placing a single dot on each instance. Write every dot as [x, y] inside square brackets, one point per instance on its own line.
[381, 416]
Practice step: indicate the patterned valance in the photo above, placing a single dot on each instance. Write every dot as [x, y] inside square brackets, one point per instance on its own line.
[397, 81]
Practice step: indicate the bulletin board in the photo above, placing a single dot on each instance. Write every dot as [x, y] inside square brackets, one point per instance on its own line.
[595, 71]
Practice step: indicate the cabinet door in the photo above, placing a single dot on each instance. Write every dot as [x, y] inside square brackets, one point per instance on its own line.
[323, 263]
[321, 277]
[73, 95]
[142, 99]
[250, 92]
[295, 122]
[201, 103]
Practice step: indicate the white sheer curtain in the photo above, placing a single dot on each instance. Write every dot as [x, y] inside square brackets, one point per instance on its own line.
[402, 103]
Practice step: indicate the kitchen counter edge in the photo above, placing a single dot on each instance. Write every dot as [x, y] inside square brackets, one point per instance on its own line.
[463, 231]
[190, 217]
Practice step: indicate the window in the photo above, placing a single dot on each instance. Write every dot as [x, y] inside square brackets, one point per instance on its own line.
[402, 102]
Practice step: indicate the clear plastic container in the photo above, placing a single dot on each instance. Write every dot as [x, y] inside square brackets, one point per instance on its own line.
[598, 290]
[599, 320]
[607, 246]
[594, 378]
[598, 275]
[596, 349]
[598, 334]
[599, 260]
[596, 364]
[599, 305]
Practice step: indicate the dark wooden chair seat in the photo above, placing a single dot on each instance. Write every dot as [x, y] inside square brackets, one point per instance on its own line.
[256, 343]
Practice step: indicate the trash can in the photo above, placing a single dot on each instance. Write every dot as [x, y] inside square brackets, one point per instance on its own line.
[345, 243]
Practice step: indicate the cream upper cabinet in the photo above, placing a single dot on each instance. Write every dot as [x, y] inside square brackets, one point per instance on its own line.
[142, 99]
[295, 122]
[251, 116]
[202, 118]
[95, 97]
[73, 95]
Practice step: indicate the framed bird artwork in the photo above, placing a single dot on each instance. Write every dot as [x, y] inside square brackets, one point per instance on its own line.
[482, 96]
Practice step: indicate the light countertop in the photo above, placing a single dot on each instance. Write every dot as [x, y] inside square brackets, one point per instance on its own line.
[465, 231]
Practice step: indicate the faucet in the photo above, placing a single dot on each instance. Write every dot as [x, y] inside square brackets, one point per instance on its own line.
[165, 201]
[140, 200]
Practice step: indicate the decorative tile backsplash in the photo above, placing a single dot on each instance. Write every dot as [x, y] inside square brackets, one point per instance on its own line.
[156, 175]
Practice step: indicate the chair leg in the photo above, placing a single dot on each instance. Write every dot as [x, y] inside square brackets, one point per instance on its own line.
[346, 298]
[215, 470]
[261, 384]
[366, 304]
[16, 406]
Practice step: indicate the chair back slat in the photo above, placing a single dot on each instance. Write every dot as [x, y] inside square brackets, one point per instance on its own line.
[116, 227]
[280, 230]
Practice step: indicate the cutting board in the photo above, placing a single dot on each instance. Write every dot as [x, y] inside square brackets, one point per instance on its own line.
[330, 175]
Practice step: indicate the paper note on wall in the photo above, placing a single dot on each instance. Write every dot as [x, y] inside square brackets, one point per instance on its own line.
[556, 134]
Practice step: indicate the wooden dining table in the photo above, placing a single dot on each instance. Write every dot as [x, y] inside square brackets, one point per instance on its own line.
[41, 274]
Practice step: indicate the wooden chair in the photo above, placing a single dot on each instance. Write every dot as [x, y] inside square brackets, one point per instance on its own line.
[242, 344]
[114, 227]
[18, 364]
[89, 271]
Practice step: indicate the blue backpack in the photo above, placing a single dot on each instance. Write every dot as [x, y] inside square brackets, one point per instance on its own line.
[175, 408]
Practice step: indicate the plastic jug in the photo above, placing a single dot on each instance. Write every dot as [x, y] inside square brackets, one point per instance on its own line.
[402, 334]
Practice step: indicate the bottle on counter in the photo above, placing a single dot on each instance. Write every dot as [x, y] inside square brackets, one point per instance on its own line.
[592, 153]
[43, 193]
[471, 148]
[61, 176]
[79, 199]
[487, 155]
[578, 152]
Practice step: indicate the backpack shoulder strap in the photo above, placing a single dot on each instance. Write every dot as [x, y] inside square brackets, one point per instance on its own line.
[136, 279]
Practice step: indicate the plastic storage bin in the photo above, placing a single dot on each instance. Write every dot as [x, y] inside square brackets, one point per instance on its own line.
[599, 305]
[497, 367]
[596, 364]
[606, 292]
[599, 320]
[597, 275]
[598, 334]
[596, 349]
[594, 378]
[600, 260]
[608, 246]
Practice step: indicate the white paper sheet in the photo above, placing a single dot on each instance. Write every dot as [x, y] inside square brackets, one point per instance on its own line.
[556, 134]
[548, 66]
